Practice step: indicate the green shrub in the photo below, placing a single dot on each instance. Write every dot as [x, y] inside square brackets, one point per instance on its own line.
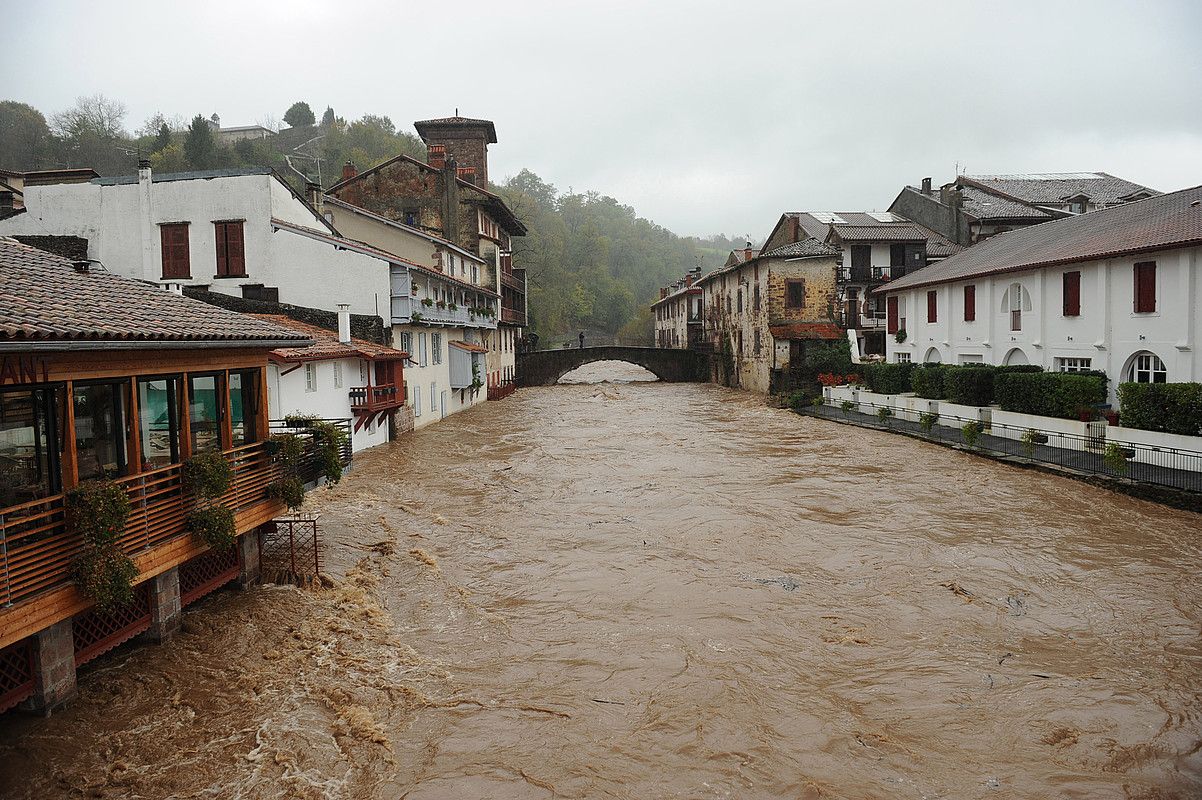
[1030, 438]
[97, 511]
[1115, 457]
[288, 449]
[1049, 394]
[289, 490]
[207, 475]
[847, 406]
[214, 525]
[798, 400]
[970, 432]
[927, 421]
[1167, 407]
[888, 378]
[927, 381]
[969, 385]
[884, 414]
[330, 440]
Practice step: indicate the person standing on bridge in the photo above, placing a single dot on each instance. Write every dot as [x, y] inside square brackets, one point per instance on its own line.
[582, 340]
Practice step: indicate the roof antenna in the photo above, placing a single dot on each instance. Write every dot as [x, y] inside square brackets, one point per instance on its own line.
[456, 110]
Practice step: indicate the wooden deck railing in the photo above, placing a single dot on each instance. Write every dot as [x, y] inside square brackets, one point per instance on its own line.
[36, 549]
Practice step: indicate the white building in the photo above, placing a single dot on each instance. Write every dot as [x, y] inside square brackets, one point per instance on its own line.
[338, 377]
[677, 313]
[1117, 290]
[246, 233]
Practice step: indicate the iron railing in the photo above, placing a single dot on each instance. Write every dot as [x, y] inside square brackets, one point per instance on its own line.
[1090, 454]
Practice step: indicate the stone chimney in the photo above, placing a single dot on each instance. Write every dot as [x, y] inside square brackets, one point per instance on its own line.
[663, 292]
[436, 156]
[344, 323]
[146, 226]
[313, 190]
[466, 174]
[926, 185]
[349, 171]
[794, 230]
[945, 194]
[463, 139]
[450, 202]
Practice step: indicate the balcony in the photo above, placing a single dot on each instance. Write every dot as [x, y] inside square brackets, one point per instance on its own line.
[870, 274]
[403, 309]
[513, 282]
[511, 316]
[38, 550]
[377, 398]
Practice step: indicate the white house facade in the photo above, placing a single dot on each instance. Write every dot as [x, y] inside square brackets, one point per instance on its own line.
[1116, 290]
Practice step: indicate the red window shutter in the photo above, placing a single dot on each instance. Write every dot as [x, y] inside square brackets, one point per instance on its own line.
[932, 306]
[891, 314]
[174, 240]
[223, 264]
[970, 303]
[1145, 287]
[1072, 294]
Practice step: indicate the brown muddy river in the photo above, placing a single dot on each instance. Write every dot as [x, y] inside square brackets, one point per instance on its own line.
[670, 591]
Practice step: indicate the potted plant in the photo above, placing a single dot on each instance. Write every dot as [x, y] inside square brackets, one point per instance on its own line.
[427, 302]
[452, 306]
[900, 336]
[414, 289]
[442, 304]
[416, 318]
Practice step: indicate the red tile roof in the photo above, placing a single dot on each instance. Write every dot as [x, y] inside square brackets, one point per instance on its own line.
[469, 346]
[44, 299]
[1158, 223]
[325, 344]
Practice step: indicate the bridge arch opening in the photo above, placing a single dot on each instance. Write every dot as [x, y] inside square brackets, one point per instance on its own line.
[608, 371]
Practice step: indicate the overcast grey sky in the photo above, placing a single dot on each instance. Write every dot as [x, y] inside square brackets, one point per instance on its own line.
[705, 116]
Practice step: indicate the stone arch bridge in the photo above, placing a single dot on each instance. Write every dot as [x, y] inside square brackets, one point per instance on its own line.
[546, 367]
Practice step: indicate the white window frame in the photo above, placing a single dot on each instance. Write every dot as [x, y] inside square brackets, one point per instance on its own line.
[337, 374]
[417, 401]
[1147, 367]
[902, 358]
[1072, 364]
[421, 346]
[436, 348]
[311, 376]
[407, 342]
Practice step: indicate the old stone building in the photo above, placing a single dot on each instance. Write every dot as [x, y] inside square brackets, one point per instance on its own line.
[761, 313]
[447, 196]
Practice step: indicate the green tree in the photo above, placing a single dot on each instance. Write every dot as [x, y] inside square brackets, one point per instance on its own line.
[299, 115]
[24, 136]
[90, 134]
[327, 119]
[169, 159]
[161, 139]
[199, 147]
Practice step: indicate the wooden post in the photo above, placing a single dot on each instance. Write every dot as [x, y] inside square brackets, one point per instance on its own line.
[225, 431]
[133, 449]
[263, 410]
[70, 457]
[185, 419]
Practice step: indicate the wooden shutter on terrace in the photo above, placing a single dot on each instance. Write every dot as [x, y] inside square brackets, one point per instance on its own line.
[891, 314]
[970, 303]
[176, 262]
[231, 250]
[1145, 287]
[1072, 294]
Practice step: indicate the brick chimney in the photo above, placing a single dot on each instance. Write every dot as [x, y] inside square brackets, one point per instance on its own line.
[794, 230]
[463, 139]
[349, 171]
[663, 292]
[436, 156]
[466, 174]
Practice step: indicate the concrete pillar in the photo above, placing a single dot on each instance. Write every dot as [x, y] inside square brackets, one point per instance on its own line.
[54, 668]
[249, 568]
[164, 606]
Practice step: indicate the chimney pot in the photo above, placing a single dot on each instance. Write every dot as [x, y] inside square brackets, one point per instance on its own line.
[143, 163]
[436, 156]
[349, 171]
[926, 185]
[80, 266]
[344, 323]
[663, 292]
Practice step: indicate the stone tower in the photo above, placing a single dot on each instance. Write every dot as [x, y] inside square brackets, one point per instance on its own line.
[465, 140]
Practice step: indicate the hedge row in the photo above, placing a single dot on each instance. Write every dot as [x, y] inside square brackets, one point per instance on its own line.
[1049, 394]
[888, 378]
[927, 381]
[1167, 407]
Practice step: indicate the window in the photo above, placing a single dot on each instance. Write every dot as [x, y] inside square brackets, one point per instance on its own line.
[970, 303]
[436, 349]
[1145, 287]
[310, 377]
[1015, 295]
[1072, 294]
[176, 261]
[1148, 368]
[1078, 205]
[902, 358]
[795, 293]
[417, 401]
[475, 274]
[861, 260]
[755, 298]
[231, 252]
[29, 445]
[244, 406]
[100, 430]
[891, 320]
[410, 215]
[362, 372]
[205, 410]
[421, 347]
[897, 255]
[1072, 364]
[407, 342]
[932, 306]
[756, 343]
[727, 303]
[740, 341]
[739, 302]
[158, 421]
[433, 398]
[337, 374]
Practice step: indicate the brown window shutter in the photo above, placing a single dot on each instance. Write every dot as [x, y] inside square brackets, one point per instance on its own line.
[932, 306]
[1072, 294]
[223, 264]
[970, 303]
[235, 248]
[174, 240]
[1145, 287]
[891, 314]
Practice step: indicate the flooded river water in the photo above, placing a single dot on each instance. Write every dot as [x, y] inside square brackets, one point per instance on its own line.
[670, 591]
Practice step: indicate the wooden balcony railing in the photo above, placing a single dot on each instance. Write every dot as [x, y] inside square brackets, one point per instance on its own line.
[377, 398]
[512, 316]
[37, 550]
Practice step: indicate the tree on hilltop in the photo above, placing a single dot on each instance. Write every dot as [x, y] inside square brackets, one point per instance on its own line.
[327, 119]
[299, 115]
[199, 147]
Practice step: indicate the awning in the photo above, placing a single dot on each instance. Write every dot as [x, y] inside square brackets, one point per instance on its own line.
[468, 346]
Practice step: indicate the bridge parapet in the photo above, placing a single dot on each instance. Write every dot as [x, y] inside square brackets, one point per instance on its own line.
[546, 367]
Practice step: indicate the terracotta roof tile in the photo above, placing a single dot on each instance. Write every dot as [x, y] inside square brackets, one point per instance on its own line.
[44, 298]
[325, 344]
[469, 346]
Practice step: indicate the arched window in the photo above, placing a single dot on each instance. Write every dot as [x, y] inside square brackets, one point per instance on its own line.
[1147, 368]
[932, 357]
[1014, 357]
